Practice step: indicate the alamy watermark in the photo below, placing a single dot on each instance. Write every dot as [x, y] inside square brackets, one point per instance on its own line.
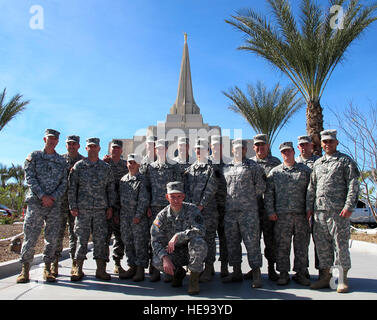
[336, 21]
[36, 21]
[337, 274]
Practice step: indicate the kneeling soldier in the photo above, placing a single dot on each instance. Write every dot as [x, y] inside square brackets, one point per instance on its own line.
[178, 238]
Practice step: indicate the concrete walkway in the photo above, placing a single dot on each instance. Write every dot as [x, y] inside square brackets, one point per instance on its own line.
[362, 281]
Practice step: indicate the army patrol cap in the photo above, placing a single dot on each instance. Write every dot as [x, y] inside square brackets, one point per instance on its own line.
[260, 138]
[175, 187]
[52, 133]
[286, 145]
[73, 139]
[151, 139]
[134, 157]
[201, 143]
[162, 143]
[116, 143]
[91, 141]
[183, 140]
[215, 139]
[328, 134]
[239, 143]
[304, 139]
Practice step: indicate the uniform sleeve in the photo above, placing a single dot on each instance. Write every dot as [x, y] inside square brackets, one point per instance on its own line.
[158, 239]
[110, 189]
[196, 229]
[352, 175]
[143, 200]
[269, 196]
[310, 194]
[210, 188]
[31, 177]
[62, 187]
[260, 181]
[73, 182]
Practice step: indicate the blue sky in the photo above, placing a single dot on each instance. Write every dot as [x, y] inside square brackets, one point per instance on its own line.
[110, 68]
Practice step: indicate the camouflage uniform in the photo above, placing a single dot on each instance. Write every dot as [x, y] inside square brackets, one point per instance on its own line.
[245, 182]
[309, 162]
[200, 189]
[191, 248]
[66, 214]
[45, 174]
[333, 186]
[119, 170]
[134, 200]
[286, 195]
[91, 191]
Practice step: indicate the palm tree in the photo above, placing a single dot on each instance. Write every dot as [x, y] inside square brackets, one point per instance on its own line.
[9, 110]
[307, 54]
[18, 173]
[4, 175]
[266, 111]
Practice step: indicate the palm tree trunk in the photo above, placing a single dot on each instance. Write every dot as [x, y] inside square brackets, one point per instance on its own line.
[314, 124]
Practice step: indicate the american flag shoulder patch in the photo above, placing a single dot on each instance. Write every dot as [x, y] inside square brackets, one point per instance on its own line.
[157, 223]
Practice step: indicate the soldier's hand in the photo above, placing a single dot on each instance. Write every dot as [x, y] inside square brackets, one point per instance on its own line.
[201, 208]
[346, 213]
[168, 265]
[309, 215]
[47, 201]
[136, 220]
[107, 158]
[273, 217]
[75, 212]
[109, 213]
[171, 244]
[149, 212]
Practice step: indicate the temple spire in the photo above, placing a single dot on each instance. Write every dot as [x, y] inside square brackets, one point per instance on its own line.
[185, 103]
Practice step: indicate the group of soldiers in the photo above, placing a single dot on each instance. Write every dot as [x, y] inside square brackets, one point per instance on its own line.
[165, 215]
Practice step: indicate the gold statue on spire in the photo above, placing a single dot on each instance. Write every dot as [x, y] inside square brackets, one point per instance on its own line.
[185, 34]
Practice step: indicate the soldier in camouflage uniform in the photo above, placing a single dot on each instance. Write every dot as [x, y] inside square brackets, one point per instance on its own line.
[200, 188]
[150, 153]
[71, 157]
[119, 169]
[264, 158]
[46, 179]
[285, 203]
[177, 237]
[306, 156]
[245, 180]
[91, 197]
[218, 161]
[158, 174]
[183, 158]
[134, 200]
[332, 195]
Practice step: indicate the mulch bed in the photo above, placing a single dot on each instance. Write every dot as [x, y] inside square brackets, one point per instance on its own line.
[10, 230]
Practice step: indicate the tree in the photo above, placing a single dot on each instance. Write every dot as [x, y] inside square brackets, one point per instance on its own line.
[360, 130]
[266, 111]
[4, 174]
[307, 54]
[9, 110]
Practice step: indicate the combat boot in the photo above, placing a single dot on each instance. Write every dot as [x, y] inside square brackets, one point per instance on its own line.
[208, 272]
[283, 279]
[101, 270]
[127, 274]
[55, 267]
[272, 275]
[154, 274]
[24, 275]
[257, 278]
[139, 275]
[178, 277]
[118, 267]
[343, 286]
[224, 269]
[193, 283]
[47, 275]
[236, 275]
[301, 278]
[76, 272]
[323, 280]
